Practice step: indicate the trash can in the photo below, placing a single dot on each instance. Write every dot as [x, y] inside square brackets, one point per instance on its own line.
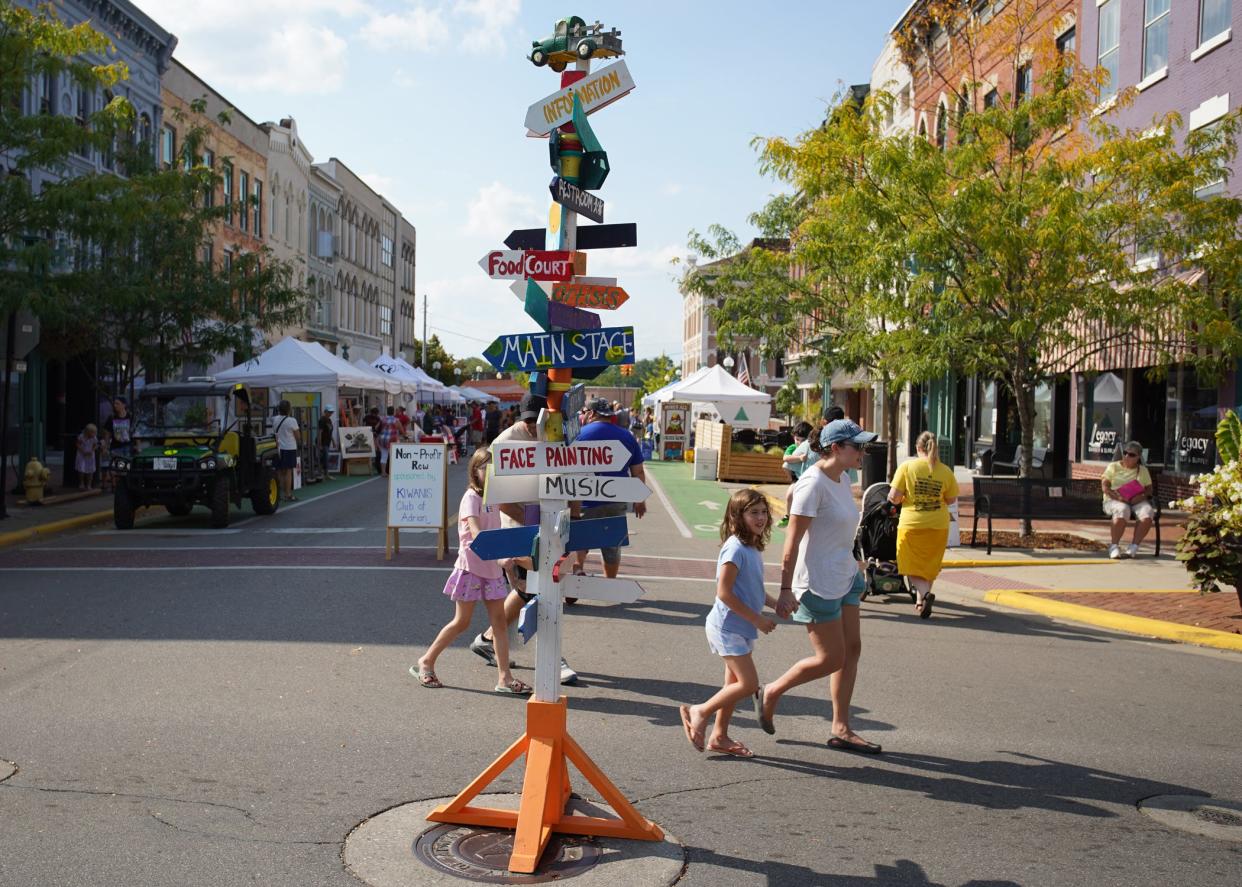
[875, 463]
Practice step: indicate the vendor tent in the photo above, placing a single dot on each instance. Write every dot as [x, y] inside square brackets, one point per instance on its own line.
[475, 394]
[662, 394]
[291, 365]
[739, 405]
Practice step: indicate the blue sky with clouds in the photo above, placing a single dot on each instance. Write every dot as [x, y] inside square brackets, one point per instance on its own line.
[425, 100]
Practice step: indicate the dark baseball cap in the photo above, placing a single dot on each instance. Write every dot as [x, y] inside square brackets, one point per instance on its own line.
[845, 431]
[600, 406]
[530, 406]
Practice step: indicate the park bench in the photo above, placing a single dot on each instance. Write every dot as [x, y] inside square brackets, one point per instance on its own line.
[1037, 498]
[1041, 464]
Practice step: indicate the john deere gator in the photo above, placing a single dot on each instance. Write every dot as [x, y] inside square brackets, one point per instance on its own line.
[196, 443]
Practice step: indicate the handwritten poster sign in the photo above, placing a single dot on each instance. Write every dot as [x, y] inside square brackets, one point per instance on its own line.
[417, 491]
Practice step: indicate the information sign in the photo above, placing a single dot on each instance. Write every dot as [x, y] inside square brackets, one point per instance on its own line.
[417, 491]
[594, 91]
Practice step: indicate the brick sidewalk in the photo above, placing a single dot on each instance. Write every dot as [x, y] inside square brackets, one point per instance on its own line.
[1218, 612]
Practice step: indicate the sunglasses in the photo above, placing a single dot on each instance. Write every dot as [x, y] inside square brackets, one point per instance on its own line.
[1135, 455]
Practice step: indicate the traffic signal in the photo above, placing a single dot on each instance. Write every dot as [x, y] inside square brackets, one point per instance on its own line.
[627, 369]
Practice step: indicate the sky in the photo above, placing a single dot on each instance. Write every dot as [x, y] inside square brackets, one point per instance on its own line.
[425, 100]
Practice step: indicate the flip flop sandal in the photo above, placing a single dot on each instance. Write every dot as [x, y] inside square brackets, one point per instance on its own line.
[925, 610]
[862, 748]
[515, 687]
[426, 677]
[695, 739]
[765, 723]
[736, 749]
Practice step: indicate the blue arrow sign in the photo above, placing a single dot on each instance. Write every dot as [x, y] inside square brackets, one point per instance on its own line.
[492, 545]
[532, 352]
[602, 532]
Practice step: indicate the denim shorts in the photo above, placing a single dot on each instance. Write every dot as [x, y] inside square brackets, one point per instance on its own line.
[813, 609]
[728, 643]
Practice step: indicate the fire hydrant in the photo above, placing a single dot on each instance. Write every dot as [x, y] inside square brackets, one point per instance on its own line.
[34, 481]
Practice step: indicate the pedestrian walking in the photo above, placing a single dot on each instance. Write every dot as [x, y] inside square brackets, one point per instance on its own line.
[735, 620]
[924, 487]
[473, 580]
[1127, 491]
[288, 439]
[325, 438]
[822, 582]
[491, 424]
[597, 424]
[476, 424]
[797, 454]
[389, 432]
[119, 427]
[84, 458]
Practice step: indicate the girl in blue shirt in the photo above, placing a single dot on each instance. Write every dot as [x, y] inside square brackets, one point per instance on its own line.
[735, 620]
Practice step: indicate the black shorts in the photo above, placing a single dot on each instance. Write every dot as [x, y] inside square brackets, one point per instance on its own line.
[521, 574]
[287, 459]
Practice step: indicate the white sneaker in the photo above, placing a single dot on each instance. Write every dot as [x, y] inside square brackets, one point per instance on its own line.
[1132, 551]
[1114, 552]
[568, 675]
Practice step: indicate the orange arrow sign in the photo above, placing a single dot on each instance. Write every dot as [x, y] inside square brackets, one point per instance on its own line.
[586, 295]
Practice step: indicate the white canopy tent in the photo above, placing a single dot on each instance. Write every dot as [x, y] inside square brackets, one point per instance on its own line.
[739, 405]
[660, 395]
[293, 365]
[475, 394]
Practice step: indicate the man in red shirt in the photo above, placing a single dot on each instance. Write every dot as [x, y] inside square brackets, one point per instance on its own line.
[404, 420]
[476, 424]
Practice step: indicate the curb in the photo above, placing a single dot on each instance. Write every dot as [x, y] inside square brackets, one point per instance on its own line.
[1140, 625]
[1067, 562]
[53, 527]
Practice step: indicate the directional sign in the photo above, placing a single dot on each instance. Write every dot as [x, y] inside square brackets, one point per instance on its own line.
[532, 352]
[541, 457]
[533, 264]
[589, 237]
[599, 588]
[586, 295]
[602, 532]
[570, 196]
[592, 488]
[554, 315]
[510, 488]
[492, 545]
[594, 91]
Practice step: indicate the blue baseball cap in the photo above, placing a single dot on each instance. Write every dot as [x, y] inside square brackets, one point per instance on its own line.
[844, 431]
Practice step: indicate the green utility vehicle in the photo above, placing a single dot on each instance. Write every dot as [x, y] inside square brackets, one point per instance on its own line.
[575, 40]
[196, 443]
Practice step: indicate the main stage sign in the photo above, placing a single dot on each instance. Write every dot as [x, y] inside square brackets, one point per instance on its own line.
[535, 352]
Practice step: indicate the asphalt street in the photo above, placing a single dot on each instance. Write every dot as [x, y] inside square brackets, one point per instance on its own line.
[197, 707]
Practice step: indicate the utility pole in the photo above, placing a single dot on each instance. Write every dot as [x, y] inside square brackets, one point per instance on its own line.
[424, 361]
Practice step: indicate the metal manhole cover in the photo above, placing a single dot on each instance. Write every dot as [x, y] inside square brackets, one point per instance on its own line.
[482, 854]
[1211, 817]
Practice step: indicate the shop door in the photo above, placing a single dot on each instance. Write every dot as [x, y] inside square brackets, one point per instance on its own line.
[1147, 412]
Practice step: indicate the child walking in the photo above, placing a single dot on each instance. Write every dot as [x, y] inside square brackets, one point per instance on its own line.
[735, 620]
[84, 460]
[474, 579]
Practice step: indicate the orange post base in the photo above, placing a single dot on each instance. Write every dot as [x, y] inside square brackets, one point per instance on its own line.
[549, 749]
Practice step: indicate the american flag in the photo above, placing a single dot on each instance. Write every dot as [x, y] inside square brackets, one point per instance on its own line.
[743, 370]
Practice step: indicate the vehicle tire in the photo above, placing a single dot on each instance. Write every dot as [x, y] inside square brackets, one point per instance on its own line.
[220, 503]
[180, 509]
[539, 58]
[266, 497]
[123, 508]
[585, 49]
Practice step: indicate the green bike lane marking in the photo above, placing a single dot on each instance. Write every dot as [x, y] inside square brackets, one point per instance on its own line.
[700, 503]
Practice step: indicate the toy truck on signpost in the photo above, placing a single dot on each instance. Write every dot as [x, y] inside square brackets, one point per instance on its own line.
[575, 40]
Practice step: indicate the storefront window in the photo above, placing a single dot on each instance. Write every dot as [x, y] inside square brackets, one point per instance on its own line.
[987, 410]
[1106, 417]
[1043, 416]
[1190, 418]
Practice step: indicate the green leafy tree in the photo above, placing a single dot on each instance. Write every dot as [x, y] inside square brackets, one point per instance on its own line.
[436, 353]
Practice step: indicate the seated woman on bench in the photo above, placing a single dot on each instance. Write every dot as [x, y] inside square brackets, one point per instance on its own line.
[1127, 491]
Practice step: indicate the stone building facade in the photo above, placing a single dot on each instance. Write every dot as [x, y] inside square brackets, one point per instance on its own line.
[324, 196]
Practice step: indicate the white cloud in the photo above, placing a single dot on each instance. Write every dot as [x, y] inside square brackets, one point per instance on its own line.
[300, 58]
[381, 183]
[497, 209]
[477, 26]
[672, 189]
[418, 28]
[492, 21]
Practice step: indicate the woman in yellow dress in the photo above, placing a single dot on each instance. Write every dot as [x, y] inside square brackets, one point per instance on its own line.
[924, 487]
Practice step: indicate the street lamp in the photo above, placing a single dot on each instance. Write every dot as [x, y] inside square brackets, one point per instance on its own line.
[457, 373]
[500, 376]
[728, 363]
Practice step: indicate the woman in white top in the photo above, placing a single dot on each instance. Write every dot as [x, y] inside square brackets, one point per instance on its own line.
[822, 583]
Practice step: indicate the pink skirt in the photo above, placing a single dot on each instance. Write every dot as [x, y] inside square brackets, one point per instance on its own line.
[463, 586]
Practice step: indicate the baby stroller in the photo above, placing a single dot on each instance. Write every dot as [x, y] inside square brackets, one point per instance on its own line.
[877, 540]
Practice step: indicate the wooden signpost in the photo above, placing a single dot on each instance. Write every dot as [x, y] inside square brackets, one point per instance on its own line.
[584, 203]
[534, 352]
[417, 493]
[532, 264]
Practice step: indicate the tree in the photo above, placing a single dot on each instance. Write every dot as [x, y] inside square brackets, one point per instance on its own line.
[437, 354]
[139, 287]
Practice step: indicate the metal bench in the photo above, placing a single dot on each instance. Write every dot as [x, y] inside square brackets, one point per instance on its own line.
[1033, 498]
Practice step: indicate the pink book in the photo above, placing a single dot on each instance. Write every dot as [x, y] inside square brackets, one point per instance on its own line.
[1130, 489]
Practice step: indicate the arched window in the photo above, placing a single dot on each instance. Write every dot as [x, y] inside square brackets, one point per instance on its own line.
[942, 126]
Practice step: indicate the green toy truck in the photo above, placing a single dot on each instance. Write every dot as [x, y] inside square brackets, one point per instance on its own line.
[575, 40]
[195, 443]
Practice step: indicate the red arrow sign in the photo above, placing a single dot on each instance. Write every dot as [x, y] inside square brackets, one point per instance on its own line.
[531, 264]
[585, 295]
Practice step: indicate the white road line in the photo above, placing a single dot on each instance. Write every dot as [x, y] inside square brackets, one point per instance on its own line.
[677, 521]
[312, 531]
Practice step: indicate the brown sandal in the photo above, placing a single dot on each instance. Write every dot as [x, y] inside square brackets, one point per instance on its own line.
[426, 677]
